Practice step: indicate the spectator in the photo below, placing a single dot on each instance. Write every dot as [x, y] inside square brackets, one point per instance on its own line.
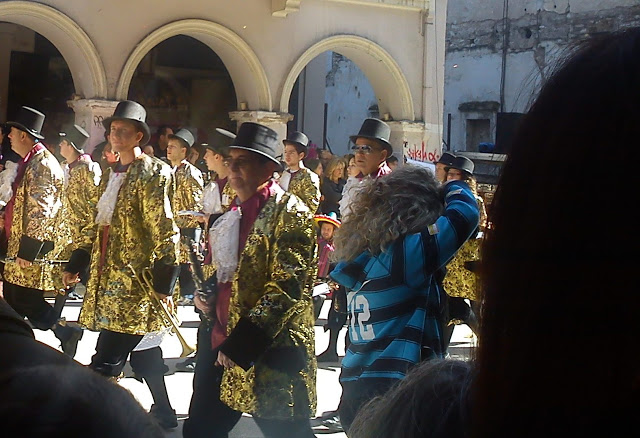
[325, 155]
[430, 402]
[392, 162]
[557, 356]
[332, 186]
[160, 149]
[391, 244]
[314, 165]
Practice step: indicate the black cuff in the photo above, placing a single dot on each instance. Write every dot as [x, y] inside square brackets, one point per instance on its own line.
[246, 343]
[29, 248]
[165, 277]
[78, 262]
[212, 218]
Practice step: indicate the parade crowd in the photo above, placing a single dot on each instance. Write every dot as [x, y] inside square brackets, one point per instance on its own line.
[256, 241]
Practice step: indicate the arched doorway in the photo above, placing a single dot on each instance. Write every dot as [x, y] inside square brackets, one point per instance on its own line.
[78, 51]
[183, 83]
[37, 75]
[248, 76]
[330, 99]
[383, 72]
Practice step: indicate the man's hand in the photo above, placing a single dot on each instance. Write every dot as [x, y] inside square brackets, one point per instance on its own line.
[69, 279]
[23, 263]
[201, 304]
[224, 361]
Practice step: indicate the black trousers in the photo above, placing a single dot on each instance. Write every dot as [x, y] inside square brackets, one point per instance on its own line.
[351, 401]
[211, 418]
[30, 303]
[112, 351]
[185, 278]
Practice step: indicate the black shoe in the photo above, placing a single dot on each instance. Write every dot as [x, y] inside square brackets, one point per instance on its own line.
[188, 365]
[328, 356]
[165, 417]
[69, 337]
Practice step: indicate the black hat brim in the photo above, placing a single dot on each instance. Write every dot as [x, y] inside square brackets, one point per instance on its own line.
[145, 128]
[21, 127]
[275, 160]
[382, 141]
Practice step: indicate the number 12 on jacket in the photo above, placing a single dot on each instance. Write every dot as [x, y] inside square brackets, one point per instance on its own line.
[359, 308]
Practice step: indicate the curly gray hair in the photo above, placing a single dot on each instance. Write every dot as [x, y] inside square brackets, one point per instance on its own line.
[403, 202]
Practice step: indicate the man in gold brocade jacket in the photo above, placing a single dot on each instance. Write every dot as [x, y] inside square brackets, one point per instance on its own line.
[186, 200]
[297, 179]
[262, 338]
[134, 226]
[30, 230]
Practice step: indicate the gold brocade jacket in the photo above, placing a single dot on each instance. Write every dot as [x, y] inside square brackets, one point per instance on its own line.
[80, 196]
[187, 196]
[142, 231]
[271, 291]
[35, 214]
[305, 184]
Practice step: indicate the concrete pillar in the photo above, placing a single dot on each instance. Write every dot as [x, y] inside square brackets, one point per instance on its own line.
[7, 32]
[413, 140]
[275, 121]
[89, 114]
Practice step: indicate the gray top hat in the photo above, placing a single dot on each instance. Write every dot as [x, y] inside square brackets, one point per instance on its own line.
[185, 135]
[133, 112]
[298, 138]
[76, 136]
[375, 129]
[30, 121]
[219, 147]
[259, 139]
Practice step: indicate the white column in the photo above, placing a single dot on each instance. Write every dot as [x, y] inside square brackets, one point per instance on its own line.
[89, 114]
[275, 121]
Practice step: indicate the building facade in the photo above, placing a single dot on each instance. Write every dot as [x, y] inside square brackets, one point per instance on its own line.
[499, 53]
[262, 46]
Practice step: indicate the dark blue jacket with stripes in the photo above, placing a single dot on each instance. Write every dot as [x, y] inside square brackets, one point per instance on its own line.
[393, 298]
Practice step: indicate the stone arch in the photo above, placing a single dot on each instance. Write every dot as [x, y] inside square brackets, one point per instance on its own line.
[376, 63]
[247, 73]
[75, 46]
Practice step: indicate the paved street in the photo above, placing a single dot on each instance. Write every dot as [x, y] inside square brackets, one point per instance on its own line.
[179, 384]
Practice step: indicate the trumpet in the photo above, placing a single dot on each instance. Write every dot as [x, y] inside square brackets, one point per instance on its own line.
[168, 319]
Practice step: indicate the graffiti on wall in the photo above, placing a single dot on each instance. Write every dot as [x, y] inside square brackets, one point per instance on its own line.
[420, 152]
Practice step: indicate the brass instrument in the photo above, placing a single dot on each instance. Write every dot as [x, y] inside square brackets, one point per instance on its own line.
[169, 320]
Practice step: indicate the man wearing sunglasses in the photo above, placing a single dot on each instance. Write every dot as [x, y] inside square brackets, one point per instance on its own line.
[371, 149]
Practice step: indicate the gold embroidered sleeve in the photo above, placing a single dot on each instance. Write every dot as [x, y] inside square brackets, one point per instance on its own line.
[43, 200]
[307, 188]
[156, 210]
[188, 196]
[293, 260]
[82, 198]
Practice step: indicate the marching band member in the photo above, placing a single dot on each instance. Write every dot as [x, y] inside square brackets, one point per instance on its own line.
[80, 196]
[186, 199]
[262, 340]
[30, 228]
[135, 228]
[297, 179]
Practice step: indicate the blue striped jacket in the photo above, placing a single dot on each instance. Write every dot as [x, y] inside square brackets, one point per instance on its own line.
[393, 298]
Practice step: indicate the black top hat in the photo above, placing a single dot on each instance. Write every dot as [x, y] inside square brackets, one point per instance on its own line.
[221, 148]
[76, 136]
[225, 133]
[259, 139]
[462, 163]
[134, 112]
[30, 121]
[375, 129]
[297, 138]
[185, 135]
[446, 158]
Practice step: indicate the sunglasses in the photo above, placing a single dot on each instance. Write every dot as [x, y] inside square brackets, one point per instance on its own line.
[363, 148]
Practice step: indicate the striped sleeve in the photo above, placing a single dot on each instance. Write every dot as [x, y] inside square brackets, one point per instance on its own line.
[431, 249]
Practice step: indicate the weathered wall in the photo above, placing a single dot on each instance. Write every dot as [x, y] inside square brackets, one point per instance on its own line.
[532, 38]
